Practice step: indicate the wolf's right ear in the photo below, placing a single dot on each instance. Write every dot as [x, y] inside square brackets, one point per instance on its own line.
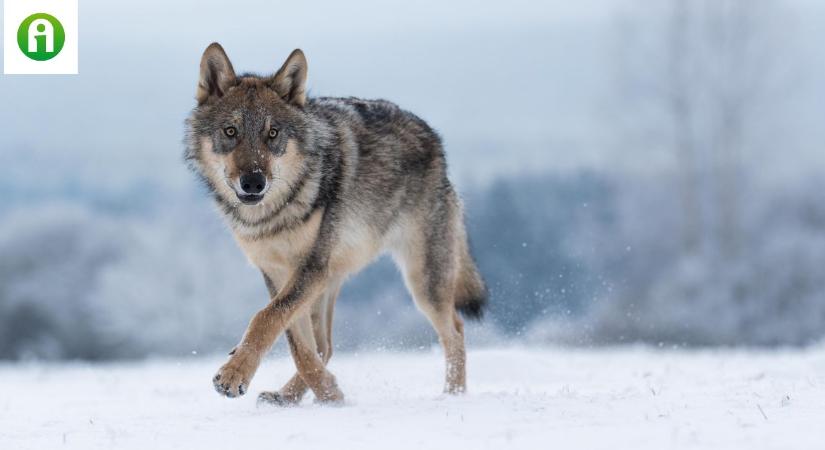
[290, 82]
[217, 74]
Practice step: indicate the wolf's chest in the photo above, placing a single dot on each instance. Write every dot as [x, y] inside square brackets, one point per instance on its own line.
[284, 252]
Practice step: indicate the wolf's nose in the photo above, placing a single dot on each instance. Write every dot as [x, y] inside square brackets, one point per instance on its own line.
[253, 183]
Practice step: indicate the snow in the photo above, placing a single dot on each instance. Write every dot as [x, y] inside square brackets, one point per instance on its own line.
[553, 398]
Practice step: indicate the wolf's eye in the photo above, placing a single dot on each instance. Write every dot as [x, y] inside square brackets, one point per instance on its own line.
[230, 131]
[273, 133]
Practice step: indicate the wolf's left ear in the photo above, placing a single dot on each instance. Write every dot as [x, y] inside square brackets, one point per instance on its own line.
[291, 80]
[217, 74]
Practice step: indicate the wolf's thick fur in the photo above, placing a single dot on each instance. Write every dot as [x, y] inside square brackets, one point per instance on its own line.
[334, 182]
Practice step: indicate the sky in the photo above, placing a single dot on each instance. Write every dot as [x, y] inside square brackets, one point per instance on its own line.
[513, 87]
[482, 74]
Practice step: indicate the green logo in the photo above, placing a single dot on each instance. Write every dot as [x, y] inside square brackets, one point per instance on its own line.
[41, 37]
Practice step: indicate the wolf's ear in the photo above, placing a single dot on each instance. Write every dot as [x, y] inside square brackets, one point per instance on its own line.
[217, 75]
[291, 80]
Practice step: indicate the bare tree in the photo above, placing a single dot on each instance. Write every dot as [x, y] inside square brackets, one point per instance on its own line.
[681, 109]
[701, 67]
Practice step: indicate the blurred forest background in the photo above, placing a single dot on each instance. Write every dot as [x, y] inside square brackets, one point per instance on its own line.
[633, 171]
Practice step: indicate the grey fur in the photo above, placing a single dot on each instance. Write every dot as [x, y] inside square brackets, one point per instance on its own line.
[375, 173]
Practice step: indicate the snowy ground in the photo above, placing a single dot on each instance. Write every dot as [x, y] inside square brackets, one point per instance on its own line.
[616, 399]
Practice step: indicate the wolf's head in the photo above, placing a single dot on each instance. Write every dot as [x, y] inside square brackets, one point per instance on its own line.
[247, 137]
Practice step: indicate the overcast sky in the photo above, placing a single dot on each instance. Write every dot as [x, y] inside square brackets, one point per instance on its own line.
[512, 86]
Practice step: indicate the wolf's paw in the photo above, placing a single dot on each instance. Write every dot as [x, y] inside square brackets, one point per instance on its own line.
[331, 400]
[330, 394]
[232, 379]
[274, 398]
[455, 389]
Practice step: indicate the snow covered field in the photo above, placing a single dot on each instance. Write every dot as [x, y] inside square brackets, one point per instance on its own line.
[624, 398]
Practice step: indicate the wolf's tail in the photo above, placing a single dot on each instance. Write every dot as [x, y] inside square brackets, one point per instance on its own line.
[471, 293]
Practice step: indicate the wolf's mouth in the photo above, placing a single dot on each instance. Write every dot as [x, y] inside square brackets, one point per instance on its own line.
[250, 199]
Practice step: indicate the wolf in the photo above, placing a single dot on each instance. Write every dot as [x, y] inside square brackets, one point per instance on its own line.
[313, 189]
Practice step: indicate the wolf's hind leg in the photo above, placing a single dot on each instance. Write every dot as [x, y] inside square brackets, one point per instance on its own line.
[290, 394]
[321, 318]
[310, 364]
[450, 329]
[429, 265]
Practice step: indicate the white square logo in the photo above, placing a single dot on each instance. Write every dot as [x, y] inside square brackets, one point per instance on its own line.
[40, 36]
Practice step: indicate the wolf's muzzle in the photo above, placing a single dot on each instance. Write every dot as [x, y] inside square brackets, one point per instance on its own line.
[252, 186]
[253, 183]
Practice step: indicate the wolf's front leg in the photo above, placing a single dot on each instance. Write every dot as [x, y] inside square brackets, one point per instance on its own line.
[233, 378]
